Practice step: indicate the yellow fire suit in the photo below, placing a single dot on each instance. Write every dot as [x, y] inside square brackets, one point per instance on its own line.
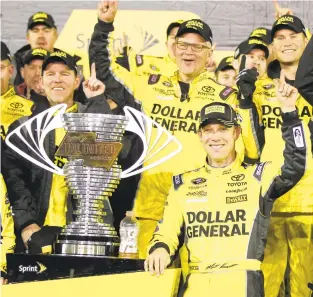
[290, 231]
[7, 226]
[160, 97]
[12, 108]
[223, 215]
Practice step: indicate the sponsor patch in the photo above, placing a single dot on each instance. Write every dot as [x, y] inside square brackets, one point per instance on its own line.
[16, 105]
[298, 136]
[139, 60]
[153, 79]
[259, 171]
[211, 109]
[199, 180]
[225, 93]
[154, 68]
[167, 84]
[238, 177]
[197, 193]
[177, 181]
[236, 199]
[208, 89]
[268, 87]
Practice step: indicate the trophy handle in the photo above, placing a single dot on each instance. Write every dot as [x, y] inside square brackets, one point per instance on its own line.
[50, 120]
[45, 122]
[142, 125]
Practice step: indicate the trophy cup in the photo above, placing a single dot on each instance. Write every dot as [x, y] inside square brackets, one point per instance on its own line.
[92, 144]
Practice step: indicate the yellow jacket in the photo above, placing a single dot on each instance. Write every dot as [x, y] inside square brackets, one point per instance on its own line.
[7, 226]
[300, 198]
[12, 108]
[160, 98]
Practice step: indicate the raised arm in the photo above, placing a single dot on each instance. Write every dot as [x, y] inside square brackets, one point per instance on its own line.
[297, 155]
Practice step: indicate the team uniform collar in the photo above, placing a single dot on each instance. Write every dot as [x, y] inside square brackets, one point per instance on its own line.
[223, 170]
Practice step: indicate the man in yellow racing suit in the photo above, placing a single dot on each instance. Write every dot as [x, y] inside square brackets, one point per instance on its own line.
[223, 207]
[290, 233]
[173, 102]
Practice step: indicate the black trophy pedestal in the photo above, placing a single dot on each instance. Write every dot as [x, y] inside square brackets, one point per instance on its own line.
[25, 267]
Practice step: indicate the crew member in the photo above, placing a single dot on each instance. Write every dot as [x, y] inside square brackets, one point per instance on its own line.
[223, 207]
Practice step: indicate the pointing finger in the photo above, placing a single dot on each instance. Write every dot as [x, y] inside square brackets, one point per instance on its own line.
[93, 71]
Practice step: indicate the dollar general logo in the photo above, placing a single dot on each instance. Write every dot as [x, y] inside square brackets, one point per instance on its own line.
[285, 19]
[148, 39]
[256, 41]
[38, 269]
[192, 24]
[59, 54]
[39, 52]
[40, 15]
[259, 32]
[211, 109]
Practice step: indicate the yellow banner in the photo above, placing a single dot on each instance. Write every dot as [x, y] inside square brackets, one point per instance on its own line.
[137, 284]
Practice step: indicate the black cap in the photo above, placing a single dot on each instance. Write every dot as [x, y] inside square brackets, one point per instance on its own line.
[196, 26]
[173, 25]
[263, 34]
[5, 53]
[225, 63]
[248, 45]
[41, 18]
[60, 56]
[290, 22]
[35, 54]
[218, 112]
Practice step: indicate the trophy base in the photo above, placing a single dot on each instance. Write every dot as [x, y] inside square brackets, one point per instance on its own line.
[90, 244]
[94, 249]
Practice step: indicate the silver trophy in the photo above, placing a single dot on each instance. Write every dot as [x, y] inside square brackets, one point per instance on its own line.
[92, 144]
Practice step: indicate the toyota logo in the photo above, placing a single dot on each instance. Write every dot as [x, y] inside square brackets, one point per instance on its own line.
[238, 177]
[208, 89]
[16, 105]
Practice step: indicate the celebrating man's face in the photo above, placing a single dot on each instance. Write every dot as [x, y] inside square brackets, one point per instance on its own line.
[288, 46]
[59, 83]
[192, 53]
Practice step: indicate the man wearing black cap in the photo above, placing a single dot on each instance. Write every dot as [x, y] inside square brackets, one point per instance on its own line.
[174, 102]
[223, 207]
[12, 105]
[225, 73]
[12, 108]
[264, 34]
[294, 210]
[31, 73]
[41, 33]
[256, 52]
[42, 199]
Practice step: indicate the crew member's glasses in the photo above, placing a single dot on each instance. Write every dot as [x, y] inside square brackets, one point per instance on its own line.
[196, 47]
